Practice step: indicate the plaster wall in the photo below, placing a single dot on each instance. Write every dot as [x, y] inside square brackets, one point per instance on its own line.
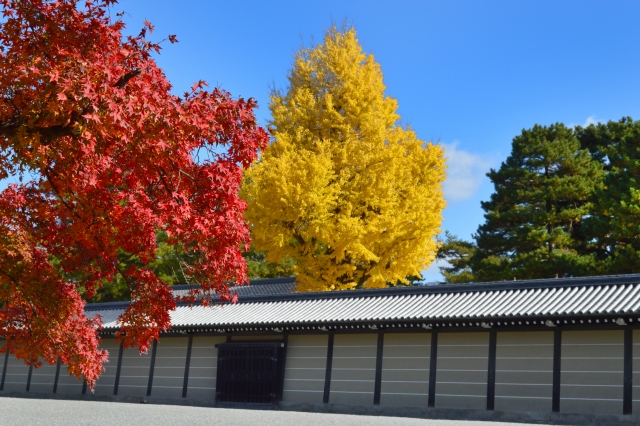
[405, 369]
[462, 369]
[353, 369]
[305, 369]
[524, 371]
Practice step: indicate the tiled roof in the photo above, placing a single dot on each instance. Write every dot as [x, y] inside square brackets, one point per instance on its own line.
[539, 299]
[254, 288]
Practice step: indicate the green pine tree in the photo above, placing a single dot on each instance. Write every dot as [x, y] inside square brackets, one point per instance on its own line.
[534, 219]
[458, 253]
[171, 264]
[613, 228]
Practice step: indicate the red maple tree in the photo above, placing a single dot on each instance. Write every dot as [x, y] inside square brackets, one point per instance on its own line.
[112, 157]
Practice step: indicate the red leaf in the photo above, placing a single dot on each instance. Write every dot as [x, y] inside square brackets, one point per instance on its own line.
[113, 166]
[148, 25]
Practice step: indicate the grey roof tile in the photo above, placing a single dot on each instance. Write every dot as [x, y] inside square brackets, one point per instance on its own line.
[276, 303]
[263, 287]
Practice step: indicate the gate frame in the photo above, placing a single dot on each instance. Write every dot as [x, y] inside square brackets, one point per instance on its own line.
[280, 349]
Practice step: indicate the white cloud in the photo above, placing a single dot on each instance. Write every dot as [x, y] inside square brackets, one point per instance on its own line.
[465, 172]
[590, 120]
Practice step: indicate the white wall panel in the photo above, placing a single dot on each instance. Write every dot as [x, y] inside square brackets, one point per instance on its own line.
[405, 369]
[354, 369]
[305, 369]
[524, 371]
[462, 370]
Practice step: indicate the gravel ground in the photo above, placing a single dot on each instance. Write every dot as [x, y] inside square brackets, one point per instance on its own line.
[20, 412]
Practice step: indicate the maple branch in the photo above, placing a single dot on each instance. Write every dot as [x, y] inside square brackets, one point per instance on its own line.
[125, 78]
[182, 172]
[9, 128]
[164, 182]
[11, 278]
[127, 279]
[55, 190]
[189, 176]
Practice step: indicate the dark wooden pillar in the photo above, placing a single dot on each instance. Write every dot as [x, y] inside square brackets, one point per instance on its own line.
[118, 368]
[152, 366]
[557, 358]
[491, 379]
[327, 374]
[433, 364]
[627, 395]
[378, 383]
[185, 383]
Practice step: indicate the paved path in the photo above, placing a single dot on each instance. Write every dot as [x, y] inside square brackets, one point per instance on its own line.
[21, 412]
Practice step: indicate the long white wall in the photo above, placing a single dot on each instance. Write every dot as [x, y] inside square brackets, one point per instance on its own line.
[398, 373]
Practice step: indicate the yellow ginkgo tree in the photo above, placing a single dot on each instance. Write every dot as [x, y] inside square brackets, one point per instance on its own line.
[353, 197]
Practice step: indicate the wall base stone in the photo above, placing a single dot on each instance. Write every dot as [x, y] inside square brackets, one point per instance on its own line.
[112, 398]
[463, 414]
[370, 410]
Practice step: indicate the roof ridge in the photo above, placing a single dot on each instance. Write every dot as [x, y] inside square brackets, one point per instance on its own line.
[262, 281]
[549, 283]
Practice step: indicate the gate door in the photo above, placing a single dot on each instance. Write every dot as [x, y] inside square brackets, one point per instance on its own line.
[248, 373]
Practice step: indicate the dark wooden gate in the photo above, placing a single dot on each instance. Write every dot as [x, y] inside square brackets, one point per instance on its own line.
[248, 373]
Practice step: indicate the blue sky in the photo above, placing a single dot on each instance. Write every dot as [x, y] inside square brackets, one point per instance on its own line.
[469, 74]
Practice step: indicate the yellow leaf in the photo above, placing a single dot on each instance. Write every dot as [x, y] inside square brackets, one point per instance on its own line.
[344, 190]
